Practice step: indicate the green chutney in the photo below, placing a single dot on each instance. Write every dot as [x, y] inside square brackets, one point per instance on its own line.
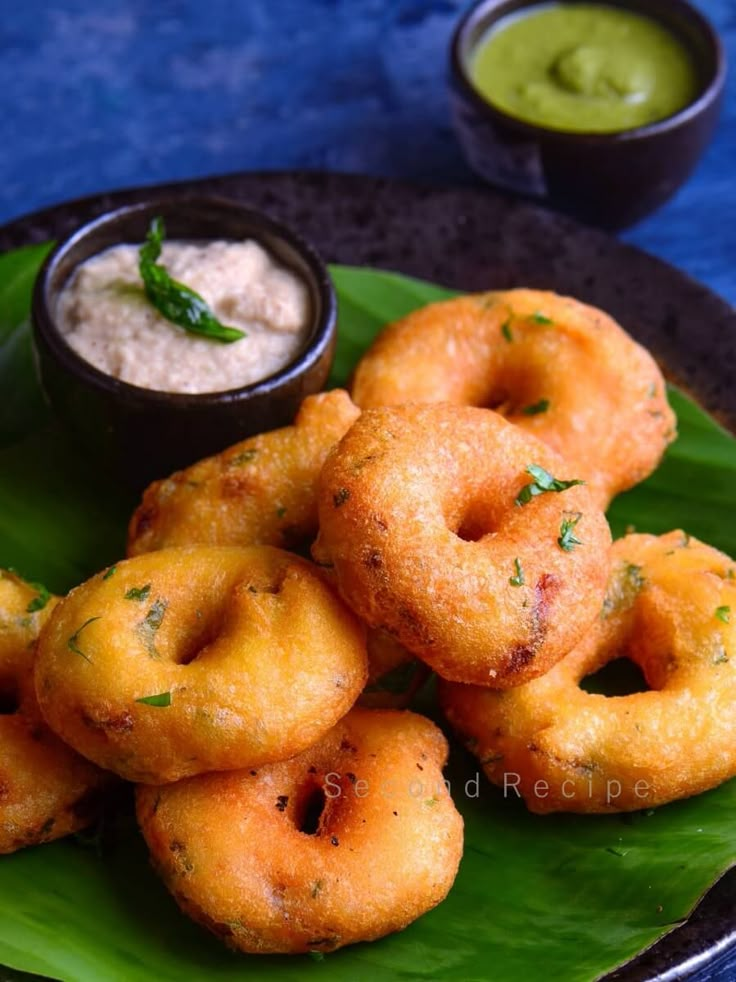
[584, 67]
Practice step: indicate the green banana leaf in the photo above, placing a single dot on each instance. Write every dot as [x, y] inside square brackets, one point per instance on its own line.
[577, 895]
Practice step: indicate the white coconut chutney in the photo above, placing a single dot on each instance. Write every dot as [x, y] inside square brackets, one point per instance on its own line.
[104, 315]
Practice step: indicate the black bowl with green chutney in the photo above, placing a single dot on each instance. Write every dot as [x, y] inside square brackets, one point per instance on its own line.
[602, 109]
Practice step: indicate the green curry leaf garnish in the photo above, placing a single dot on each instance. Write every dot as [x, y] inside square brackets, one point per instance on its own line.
[173, 300]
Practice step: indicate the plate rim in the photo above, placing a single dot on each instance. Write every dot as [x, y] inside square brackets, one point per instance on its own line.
[34, 227]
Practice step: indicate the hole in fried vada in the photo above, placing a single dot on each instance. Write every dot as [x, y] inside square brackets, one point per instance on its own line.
[475, 523]
[497, 399]
[620, 677]
[311, 810]
[470, 532]
[9, 699]
[206, 631]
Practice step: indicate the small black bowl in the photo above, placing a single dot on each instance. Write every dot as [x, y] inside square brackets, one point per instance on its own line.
[144, 434]
[608, 179]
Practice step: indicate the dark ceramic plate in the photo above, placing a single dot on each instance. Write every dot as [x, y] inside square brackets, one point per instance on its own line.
[470, 239]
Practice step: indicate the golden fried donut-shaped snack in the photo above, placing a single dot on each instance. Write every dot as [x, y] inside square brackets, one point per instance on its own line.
[419, 517]
[263, 491]
[351, 840]
[199, 659]
[564, 371]
[259, 492]
[671, 609]
[46, 789]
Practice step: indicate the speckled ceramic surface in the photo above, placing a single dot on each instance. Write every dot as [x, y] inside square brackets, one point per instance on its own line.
[472, 239]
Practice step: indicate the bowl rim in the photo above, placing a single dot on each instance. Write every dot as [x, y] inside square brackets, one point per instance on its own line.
[711, 91]
[323, 330]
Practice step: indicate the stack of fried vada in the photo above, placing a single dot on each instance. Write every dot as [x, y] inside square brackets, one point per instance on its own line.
[221, 680]
[454, 510]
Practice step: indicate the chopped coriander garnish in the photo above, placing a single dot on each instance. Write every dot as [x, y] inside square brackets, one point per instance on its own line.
[73, 645]
[536, 408]
[173, 300]
[39, 602]
[280, 511]
[244, 457]
[540, 318]
[163, 700]
[633, 575]
[111, 572]
[623, 588]
[518, 578]
[506, 331]
[567, 539]
[139, 593]
[543, 482]
[724, 614]
[150, 624]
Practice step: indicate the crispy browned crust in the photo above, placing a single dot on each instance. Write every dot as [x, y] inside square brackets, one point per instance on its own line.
[418, 518]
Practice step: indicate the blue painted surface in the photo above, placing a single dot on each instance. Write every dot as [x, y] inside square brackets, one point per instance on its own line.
[112, 94]
[104, 95]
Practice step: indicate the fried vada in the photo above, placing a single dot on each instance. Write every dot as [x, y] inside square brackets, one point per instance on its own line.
[259, 492]
[353, 839]
[464, 537]
[46, 789]
[671, 610]
[562, 370]
[199, 659]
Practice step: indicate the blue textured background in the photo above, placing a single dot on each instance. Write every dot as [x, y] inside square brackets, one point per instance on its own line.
[112, 94]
